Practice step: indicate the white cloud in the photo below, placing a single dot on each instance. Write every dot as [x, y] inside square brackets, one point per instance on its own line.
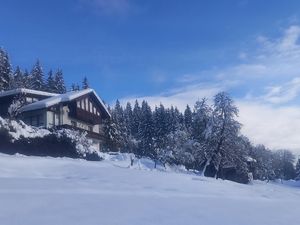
[268, 78]
[179, 97]
[290, 38]
[283, 93]
[277, 128]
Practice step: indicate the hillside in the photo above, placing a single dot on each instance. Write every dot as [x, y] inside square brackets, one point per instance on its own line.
[35, 190]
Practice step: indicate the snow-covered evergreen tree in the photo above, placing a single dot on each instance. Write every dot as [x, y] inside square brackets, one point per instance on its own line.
[18, 78]
[50, 83]
[160, 133]
[136, 119]
[145, 132]
[298, 169]
[188, 118]
[5, 70]
[59, 83]
[283, 164]
[37, 77]
[26, 80]
[75, 87]
[128, 117]
[85, 83]
[113, 140]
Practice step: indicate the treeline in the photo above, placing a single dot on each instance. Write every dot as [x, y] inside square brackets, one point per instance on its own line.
[206, 138]
[12, 78]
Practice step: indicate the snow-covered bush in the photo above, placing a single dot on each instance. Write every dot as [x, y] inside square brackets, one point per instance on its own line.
[17, 137]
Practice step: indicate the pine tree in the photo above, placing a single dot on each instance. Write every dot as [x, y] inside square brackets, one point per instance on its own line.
[59, 83]
[18, 78]
[283, 164]
[188, 118]
[5, 70]
[298, 169]
[160, 134]
[37, 77]
[85, 83]
[75, 87]
[27, 80]
[113, 140]
[50, 83]
[145, 132]
[128, 117]
[136, 119]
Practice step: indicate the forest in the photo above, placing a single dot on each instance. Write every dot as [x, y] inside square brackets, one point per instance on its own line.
[205, 138]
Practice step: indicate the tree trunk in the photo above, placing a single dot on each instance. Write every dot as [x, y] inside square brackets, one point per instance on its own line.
[206, 165]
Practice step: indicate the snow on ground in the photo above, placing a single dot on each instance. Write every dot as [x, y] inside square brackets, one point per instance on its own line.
[47, 191]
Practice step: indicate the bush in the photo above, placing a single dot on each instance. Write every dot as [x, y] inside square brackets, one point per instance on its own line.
[17, 137]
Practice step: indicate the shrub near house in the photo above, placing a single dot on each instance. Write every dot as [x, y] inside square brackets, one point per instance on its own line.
[17, 137]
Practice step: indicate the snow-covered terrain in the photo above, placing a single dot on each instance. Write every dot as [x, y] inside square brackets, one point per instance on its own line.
[47, 191]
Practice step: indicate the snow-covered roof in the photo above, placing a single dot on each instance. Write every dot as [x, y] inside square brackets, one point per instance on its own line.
[26, 91]
[61, 98]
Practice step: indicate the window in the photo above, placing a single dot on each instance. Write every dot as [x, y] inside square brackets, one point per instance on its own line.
[78, 104]
[34, 121]
[94, 110]
[91, 107]
[86, 104]
[73, 123]
[90, 128]
[82, 104]
[40, 121]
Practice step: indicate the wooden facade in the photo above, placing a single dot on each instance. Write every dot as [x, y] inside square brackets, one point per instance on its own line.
[84, 112]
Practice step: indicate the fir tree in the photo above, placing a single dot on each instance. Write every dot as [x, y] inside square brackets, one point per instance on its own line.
[113, 140]
[5, 70]
[188, 118]
[75, 87]
[85, 83]
[298, 169]
[37, 77]
[136, 119]
[59, 83]
[128, 116]
[27, 80]
[50, 83]
[18, 78]
[160, 133]
[160, 125]
[145, 131]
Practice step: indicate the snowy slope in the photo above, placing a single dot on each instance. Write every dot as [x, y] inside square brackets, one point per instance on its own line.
[46, 191]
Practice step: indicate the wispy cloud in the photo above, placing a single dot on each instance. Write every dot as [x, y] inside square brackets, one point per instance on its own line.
[267, 78]
[107, 7]
[179, 97]
[283, 93]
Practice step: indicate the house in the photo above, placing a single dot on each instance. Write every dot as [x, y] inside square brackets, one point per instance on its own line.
[81, 110]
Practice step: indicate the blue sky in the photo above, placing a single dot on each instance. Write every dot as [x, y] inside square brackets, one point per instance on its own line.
[172, 52]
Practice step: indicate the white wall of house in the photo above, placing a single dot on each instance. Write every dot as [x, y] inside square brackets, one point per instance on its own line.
[55, 119]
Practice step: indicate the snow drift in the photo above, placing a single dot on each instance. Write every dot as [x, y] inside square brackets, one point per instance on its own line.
[49, 191]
